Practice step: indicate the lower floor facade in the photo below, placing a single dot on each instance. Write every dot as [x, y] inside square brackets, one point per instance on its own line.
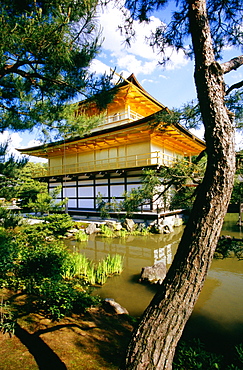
[85, 191]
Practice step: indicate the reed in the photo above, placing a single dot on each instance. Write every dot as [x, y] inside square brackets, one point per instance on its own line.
[101, 273]
[107, 231]
[77, 266]
[123, 233]
[90, 276]
[114, 264]
[81, 236]
[81, 267]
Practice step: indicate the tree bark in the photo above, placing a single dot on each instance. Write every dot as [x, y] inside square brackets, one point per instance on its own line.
[154, 341]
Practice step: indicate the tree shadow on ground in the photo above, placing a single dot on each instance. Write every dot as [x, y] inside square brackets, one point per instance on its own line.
[98, 337]
[114, 333]
[45, 358]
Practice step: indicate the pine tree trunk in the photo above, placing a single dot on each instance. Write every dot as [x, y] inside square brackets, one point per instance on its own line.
[154, 341]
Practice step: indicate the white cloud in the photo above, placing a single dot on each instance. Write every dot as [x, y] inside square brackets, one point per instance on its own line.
[98, 67]
[140, 57]
[132, 64]
[238, 136]
[238, 140]
[15, 141]
[31, 144]
[149, 80]
[163, 76]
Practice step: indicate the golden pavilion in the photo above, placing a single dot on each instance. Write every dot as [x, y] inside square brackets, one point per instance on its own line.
[110, 160]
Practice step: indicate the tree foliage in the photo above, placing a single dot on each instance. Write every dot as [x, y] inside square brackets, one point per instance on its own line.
[47, 202]
[225, 19]
[45, 51]
[10, 168]
[172, 187]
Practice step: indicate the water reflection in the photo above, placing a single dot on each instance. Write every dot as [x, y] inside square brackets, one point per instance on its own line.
[138, 251]
[218, 314]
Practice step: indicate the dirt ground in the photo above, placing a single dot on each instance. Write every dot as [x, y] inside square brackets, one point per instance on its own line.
[95, 340]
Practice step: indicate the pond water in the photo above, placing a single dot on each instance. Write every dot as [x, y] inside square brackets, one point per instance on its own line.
[218, 314]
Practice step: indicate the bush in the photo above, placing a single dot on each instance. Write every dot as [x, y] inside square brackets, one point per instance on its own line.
[59, 299]
[8, 254]
[59, 223]
[8, 218]
[36, 234]
[47, 260]
[228, 247]
[192, 355]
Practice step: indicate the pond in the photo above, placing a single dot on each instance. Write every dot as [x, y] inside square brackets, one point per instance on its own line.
[218, 314]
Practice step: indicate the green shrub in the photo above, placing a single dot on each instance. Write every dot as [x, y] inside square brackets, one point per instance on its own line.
[59, 299]
[46, 260]
[8, 218]
[192, 355]
[239, 355]
[59, 223]
[36, 234]
[8, 254]
[228, 247]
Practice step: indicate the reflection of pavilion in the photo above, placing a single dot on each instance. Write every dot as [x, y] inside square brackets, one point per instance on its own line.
[164, 254]
[137, 251]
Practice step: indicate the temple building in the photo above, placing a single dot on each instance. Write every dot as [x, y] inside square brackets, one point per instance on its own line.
[110, 160]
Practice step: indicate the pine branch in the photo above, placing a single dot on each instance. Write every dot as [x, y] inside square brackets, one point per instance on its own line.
[238, 85]
[232, 64]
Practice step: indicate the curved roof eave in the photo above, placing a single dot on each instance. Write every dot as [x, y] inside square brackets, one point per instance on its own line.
[149, 120]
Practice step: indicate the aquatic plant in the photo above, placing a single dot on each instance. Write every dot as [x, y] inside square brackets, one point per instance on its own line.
[79, 266]
[107, 231]
[81, 236]
[107, 267]
[122, 233]
[114, 264]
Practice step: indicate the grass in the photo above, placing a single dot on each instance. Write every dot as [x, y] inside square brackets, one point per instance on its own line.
[81, 267]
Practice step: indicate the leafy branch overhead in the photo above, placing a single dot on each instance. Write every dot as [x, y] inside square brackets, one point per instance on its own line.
[225, 19]
[45, 51]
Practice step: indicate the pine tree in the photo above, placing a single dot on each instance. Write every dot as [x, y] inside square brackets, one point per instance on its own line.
[46, 48]
[211, 25]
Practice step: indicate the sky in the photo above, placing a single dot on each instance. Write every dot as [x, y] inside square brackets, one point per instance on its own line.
[171, 84]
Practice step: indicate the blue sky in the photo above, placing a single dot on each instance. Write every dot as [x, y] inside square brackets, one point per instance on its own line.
[172, 85]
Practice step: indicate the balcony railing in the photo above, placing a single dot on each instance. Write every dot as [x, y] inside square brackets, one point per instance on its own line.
[131, 161]
[121, 117]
